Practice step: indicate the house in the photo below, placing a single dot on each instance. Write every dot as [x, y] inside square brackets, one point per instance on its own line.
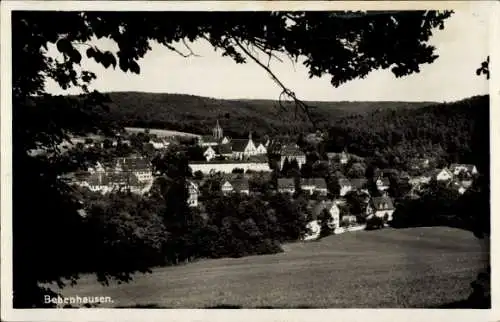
[458, 186]
[344, 158]
[224, 150]
[345, 186]
[242, 148]
[467, 183]
[194, 192]
[347, 220]
[420, 180]
[110, 182]
[341, 157]
[141, 167]
[226, 187]
[209, 153]
[461, 186]
[99, 168]
[290, 153]
[359, 184]
[382, 207]
[382, 183]
[286, 185]
[236, 185]
[312, 185]
[261, 148]
[456, 169]
[241, 185]
[207, 140]
[442, 175]
[419, 164]
[158, 144]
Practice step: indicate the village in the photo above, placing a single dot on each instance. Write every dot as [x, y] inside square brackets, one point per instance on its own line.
[235, 162]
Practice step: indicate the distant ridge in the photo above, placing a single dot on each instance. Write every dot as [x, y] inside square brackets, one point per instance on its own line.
[197, 114]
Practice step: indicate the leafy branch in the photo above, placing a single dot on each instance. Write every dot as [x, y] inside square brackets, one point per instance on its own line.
[286, 92]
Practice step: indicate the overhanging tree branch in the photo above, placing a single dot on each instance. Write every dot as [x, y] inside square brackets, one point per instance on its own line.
[299, 104]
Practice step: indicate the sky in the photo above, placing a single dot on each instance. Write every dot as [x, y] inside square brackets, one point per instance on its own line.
[461, 46]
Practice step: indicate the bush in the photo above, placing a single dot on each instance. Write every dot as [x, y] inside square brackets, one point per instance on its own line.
[198, 175]
[374, 223]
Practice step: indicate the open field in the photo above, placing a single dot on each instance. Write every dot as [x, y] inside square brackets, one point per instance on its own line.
[417, 267]
[160, 132]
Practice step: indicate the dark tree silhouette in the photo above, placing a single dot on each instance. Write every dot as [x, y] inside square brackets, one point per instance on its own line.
[345, 46]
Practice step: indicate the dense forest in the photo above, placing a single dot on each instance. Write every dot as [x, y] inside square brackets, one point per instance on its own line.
[447, 132]
[197, 114]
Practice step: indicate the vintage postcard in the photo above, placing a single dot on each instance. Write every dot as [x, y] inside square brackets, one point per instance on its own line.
[227, 160]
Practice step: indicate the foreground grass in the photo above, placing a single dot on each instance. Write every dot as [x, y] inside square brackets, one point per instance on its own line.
[418, 267]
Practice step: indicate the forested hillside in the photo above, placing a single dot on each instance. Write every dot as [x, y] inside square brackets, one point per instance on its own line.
[450, 132]
[197, 114]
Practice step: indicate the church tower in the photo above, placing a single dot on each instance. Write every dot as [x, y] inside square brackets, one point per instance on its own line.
[217, 131]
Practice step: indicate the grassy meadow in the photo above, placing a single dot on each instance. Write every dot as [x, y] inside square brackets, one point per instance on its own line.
[160, 132]
[390, 268]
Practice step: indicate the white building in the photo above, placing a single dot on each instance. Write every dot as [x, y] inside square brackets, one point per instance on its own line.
[243, 148]
[193, 194]
[443, 175]
[381, 207]
[209, 153]
[464, 168]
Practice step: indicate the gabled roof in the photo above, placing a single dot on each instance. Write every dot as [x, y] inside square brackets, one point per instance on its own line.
[239, 145]
[134, 164]
[286, 183]
[435, 172]
[259, 143]
[156, 140]
[240, 184]
[208, 149]
[382, 203]
[319, 183]
[224, 149]
[291, 150]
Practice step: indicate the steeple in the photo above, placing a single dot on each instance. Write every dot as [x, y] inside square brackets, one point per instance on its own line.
[217, 131]
[250, 136]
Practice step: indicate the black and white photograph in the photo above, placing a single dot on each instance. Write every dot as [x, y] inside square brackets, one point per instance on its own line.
[156, 156]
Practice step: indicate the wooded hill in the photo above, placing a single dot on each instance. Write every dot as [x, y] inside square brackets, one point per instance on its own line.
[195, 114]
[451, 132]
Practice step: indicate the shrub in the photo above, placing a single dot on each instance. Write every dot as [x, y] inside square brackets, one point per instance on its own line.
[374, 223]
